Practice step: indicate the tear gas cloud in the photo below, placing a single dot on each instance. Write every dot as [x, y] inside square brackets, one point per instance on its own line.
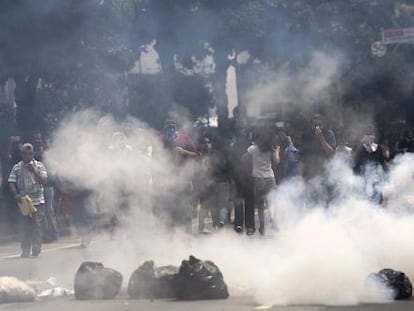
[318, 256]
[281, 86]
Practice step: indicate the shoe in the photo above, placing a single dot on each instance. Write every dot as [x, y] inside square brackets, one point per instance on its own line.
[262, 231]
[24, 255]
[221, 224]
[35, 254]
[250, 231]
[238, 229]
[85, 243]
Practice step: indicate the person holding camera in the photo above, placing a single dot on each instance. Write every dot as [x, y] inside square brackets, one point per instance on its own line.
[318, 145]
[28, 177]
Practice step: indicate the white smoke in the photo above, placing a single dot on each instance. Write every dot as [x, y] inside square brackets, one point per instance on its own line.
[318, 256]
[281, 87]
[87, 152]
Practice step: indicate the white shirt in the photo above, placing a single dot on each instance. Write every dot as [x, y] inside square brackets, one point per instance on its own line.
[262, 163]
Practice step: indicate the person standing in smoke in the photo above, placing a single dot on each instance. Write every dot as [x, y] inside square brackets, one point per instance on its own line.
[318, 145]
[371, 165]
[182, 149]
[28, 178]
[120, 149]
[289, 162]
[83, 204]
[50, 231]
[262, 154]
[242, 194]
[214, 182]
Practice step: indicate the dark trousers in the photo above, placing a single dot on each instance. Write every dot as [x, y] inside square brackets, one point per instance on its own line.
[243, 200]
[262, 187]
[32, 231]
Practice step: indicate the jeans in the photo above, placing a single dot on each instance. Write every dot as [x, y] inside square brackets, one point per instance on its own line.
[32, 231]
[217, 203]
[262, 187]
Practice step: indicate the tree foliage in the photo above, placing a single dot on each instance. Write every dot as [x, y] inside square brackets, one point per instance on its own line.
[45, 38]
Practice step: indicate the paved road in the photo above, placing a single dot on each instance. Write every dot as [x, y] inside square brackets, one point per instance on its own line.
[62, 259]
[231, 304]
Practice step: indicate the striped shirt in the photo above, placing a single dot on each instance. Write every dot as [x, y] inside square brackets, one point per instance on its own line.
[27, 182]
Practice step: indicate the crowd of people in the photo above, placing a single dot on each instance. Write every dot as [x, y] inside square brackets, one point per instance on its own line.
[232, 176]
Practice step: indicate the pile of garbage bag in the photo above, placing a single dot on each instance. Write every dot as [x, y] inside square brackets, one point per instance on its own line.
[15, 290]
[152, 282]
[395, 281]
[199, 279]
[194, 280]
[94, 281]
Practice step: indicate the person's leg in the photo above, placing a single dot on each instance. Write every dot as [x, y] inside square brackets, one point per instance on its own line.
[37, 232]
[223, 198]
[26, 235]
[262, 189]
[259, 201]
[89, 210]
[238, 203]
[51, 231]
[249, 208]
[188, 208]
[202, 215]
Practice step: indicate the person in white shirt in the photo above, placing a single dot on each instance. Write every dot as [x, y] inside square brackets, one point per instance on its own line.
[263, 153]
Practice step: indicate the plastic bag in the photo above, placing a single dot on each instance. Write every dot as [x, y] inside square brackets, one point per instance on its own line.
[396, 281]
[152, 282]
[26, 206]
[94, 281]
[198, 279]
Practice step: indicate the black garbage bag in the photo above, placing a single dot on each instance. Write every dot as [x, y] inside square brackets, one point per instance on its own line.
[199, 279]
[152, 282]
[94, 281]
[396, 281]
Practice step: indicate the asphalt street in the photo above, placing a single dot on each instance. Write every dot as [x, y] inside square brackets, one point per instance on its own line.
[61, 260]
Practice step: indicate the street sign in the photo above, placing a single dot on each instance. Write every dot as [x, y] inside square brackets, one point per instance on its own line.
[398, 35]
[378, 49]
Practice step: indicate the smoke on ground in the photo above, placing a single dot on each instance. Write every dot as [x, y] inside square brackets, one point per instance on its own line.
[319, 255]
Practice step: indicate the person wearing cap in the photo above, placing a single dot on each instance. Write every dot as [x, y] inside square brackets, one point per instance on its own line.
[27, 177]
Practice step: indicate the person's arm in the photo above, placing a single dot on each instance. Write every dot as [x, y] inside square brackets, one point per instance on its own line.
[326, 147]
[13, 190]
[39, 172]
[187, 148]
[13, 183]
[276, 155]
[382, 160]
[186, 153]
[247, 156]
